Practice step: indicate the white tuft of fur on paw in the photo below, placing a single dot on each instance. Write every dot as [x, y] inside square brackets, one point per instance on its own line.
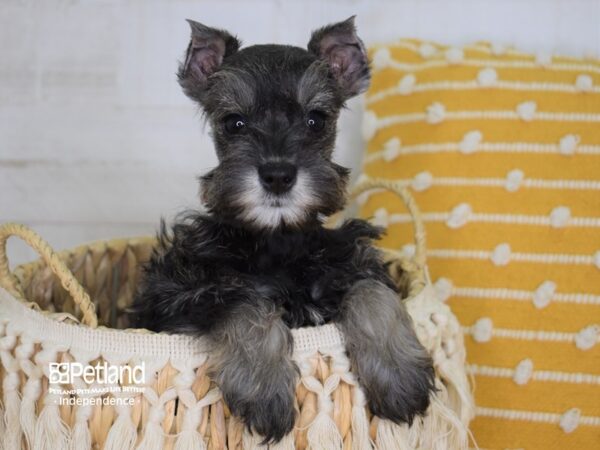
[454, 55]
[381, 218]
[543, 58]
[407, 84]
[588, 337]
[584, 83]
[422, 181]
[569, 421]
[482, 330]
[436, 113]
[459, 216]
[543, 294]
[526, 110]
[487, 77]
[514, 178]
[443, 289]
[426, 50]
[568, 144]
[501, 254]
[391, 149]
[381, 58]
[470, 142]
[369, 125]
[523, 372]
[559, 217]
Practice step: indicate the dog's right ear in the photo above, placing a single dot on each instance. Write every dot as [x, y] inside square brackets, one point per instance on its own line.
[205, 53]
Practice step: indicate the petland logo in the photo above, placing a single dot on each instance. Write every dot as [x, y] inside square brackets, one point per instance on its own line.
[65, 373]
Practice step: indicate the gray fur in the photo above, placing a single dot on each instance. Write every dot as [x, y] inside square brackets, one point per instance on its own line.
[274, 88]
[235, 91]
[314, 90]
[252, 365]
[392, 366]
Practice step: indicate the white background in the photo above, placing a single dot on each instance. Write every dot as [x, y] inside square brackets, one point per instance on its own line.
[96, 139]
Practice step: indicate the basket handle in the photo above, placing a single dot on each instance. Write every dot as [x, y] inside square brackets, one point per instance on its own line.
[60, 269]
[365, 184]
[81, 297]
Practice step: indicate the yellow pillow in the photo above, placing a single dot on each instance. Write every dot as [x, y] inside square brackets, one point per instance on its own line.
[503, 151]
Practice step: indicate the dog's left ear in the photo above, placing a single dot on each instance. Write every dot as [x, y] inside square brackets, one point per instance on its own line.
[345, 54]
[205, 53]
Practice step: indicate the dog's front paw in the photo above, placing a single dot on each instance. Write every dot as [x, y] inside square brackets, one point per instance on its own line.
[397, 384]
[272, 415]
[392, 366]
[264, 400]
[397, 376]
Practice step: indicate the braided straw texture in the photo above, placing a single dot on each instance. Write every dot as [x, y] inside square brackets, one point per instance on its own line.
[177, 406]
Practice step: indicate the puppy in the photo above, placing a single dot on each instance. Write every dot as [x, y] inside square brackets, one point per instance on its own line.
[259, 262]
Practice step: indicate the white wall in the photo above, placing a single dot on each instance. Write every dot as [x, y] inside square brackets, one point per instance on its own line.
[96, 139]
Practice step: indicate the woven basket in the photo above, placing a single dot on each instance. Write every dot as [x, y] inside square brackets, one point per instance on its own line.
[180, 407]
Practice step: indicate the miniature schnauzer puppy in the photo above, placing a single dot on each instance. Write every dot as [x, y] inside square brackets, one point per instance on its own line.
[259, 261]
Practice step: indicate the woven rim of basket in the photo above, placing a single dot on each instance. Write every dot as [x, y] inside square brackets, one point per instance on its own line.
[415, 266]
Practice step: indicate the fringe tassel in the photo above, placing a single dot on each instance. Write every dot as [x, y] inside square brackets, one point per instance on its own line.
[12, 402]
[456, 383]
[391, 436]
[153, 434]
[360, 423]
[81, 439]
[154, 437]
[28, 417]
[122, 434]
[323, 433]
[287, 443]
[252, 442]
[2, 425]
[50, 431]
[190, 440]
[414, 434]
[442, 428]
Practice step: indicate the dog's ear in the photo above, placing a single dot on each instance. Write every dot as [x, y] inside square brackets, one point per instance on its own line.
[345, 54]
[205, 53]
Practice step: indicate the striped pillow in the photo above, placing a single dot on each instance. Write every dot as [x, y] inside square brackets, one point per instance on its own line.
[503, 151]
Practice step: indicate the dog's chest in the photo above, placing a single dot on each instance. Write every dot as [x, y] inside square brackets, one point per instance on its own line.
[307, 275]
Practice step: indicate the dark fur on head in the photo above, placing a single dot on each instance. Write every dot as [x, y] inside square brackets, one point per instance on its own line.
[260, 262]
[274, 90]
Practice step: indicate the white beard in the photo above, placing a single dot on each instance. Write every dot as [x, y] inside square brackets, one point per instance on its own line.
[269, 211]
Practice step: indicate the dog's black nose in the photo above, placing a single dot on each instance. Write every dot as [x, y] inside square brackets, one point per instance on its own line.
[277, 178]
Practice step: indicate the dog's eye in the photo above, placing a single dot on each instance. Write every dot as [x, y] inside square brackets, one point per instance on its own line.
[315, 120]
[234, 123]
